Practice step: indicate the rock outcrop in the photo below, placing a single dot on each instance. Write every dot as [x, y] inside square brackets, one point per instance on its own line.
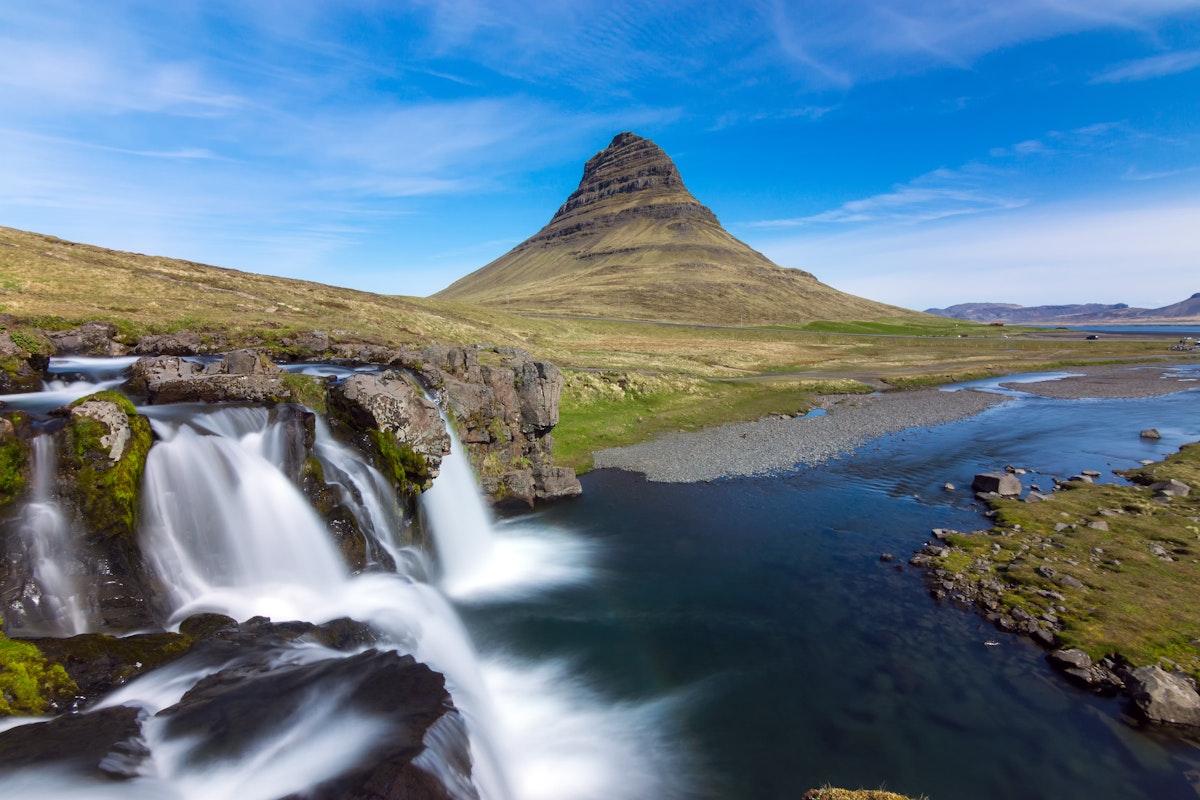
[240, 375]
[22, 360]
[389, 417]
[97, 339]
[505, 406]
[250, 695]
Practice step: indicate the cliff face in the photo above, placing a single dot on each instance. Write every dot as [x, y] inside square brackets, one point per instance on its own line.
[504, 405]
[632, 242]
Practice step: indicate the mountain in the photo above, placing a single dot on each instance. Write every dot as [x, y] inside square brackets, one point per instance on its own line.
[1185, 311]
[632, 242]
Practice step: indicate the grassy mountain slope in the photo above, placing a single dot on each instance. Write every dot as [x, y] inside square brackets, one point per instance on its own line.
[55, 283]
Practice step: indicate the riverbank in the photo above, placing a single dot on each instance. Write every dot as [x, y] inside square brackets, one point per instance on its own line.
[1103, 574]
[845, 423]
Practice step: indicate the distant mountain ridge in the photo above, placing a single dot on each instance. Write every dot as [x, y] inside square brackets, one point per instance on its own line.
[632, 242]
[1184, 312]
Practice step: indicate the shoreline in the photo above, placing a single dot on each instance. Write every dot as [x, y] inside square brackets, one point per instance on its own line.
[778, 444]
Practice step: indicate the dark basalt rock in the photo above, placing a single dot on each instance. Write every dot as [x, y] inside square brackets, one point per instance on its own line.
[389, 418]
[108, 742]
[99, 663]
[180, 343]
[504, 415]
[229, 712]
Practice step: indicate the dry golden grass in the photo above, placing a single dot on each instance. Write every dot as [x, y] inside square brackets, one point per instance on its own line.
[54, 283]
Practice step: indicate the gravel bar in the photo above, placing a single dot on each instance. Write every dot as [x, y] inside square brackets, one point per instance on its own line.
[778, 444]
[1113, 382]
[781, 443]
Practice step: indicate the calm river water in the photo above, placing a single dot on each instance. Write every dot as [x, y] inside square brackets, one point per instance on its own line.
[753, 621]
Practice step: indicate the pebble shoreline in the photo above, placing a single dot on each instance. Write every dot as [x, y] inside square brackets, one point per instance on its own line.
[778, 444]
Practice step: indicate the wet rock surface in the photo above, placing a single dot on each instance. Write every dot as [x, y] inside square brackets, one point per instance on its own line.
[240, 706]
[504, 413]
[240, 376]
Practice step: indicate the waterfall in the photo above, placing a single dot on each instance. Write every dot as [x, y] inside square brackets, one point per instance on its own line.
[44, 533]
[459, 519]
[225, 530]
[229, 533]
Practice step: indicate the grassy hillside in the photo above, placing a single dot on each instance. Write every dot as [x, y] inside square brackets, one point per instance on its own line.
[731, 373]
[56, 284]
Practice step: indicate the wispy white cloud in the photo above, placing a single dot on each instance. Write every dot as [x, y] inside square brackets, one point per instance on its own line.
[1134, 174]
[1026, 148]
[1152, 67]
[932, 196]
[43, 76]
[730, 118]
[849, 42]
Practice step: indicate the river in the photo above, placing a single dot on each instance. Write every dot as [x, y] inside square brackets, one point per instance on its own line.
[735, 639]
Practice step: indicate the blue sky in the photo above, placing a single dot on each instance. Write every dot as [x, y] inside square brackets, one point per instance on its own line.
[919, 152]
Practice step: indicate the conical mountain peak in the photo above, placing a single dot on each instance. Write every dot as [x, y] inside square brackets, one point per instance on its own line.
[631, 241]
[631, 166]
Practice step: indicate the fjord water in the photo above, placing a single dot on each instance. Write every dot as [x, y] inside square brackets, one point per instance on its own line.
[792, 657]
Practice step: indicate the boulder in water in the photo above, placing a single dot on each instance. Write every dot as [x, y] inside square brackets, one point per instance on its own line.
[1165, 697]
[1001, 483]
[240, 376]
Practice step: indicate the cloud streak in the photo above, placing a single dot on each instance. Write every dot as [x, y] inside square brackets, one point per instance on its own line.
[936, 195]
[1152, 67]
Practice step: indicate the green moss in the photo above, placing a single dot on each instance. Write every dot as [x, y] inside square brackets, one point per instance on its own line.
[110, 396]
[107, 492]
[1140, 569]
[307, 390]
[32, 341]
[29, 683]
[611, 409]
[14, 458]
[406, 467]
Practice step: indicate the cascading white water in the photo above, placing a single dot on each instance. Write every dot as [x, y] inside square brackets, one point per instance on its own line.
[367, 494]
[47, 537]
[459, 519]
[227, 532]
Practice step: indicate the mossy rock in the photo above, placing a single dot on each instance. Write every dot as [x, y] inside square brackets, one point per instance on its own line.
[106, 491]
[14, 459]
[407, 468]
[96, 663]
[31, 684]
[829, 793]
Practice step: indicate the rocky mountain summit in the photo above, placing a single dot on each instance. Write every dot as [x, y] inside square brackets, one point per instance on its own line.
[632, 242]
